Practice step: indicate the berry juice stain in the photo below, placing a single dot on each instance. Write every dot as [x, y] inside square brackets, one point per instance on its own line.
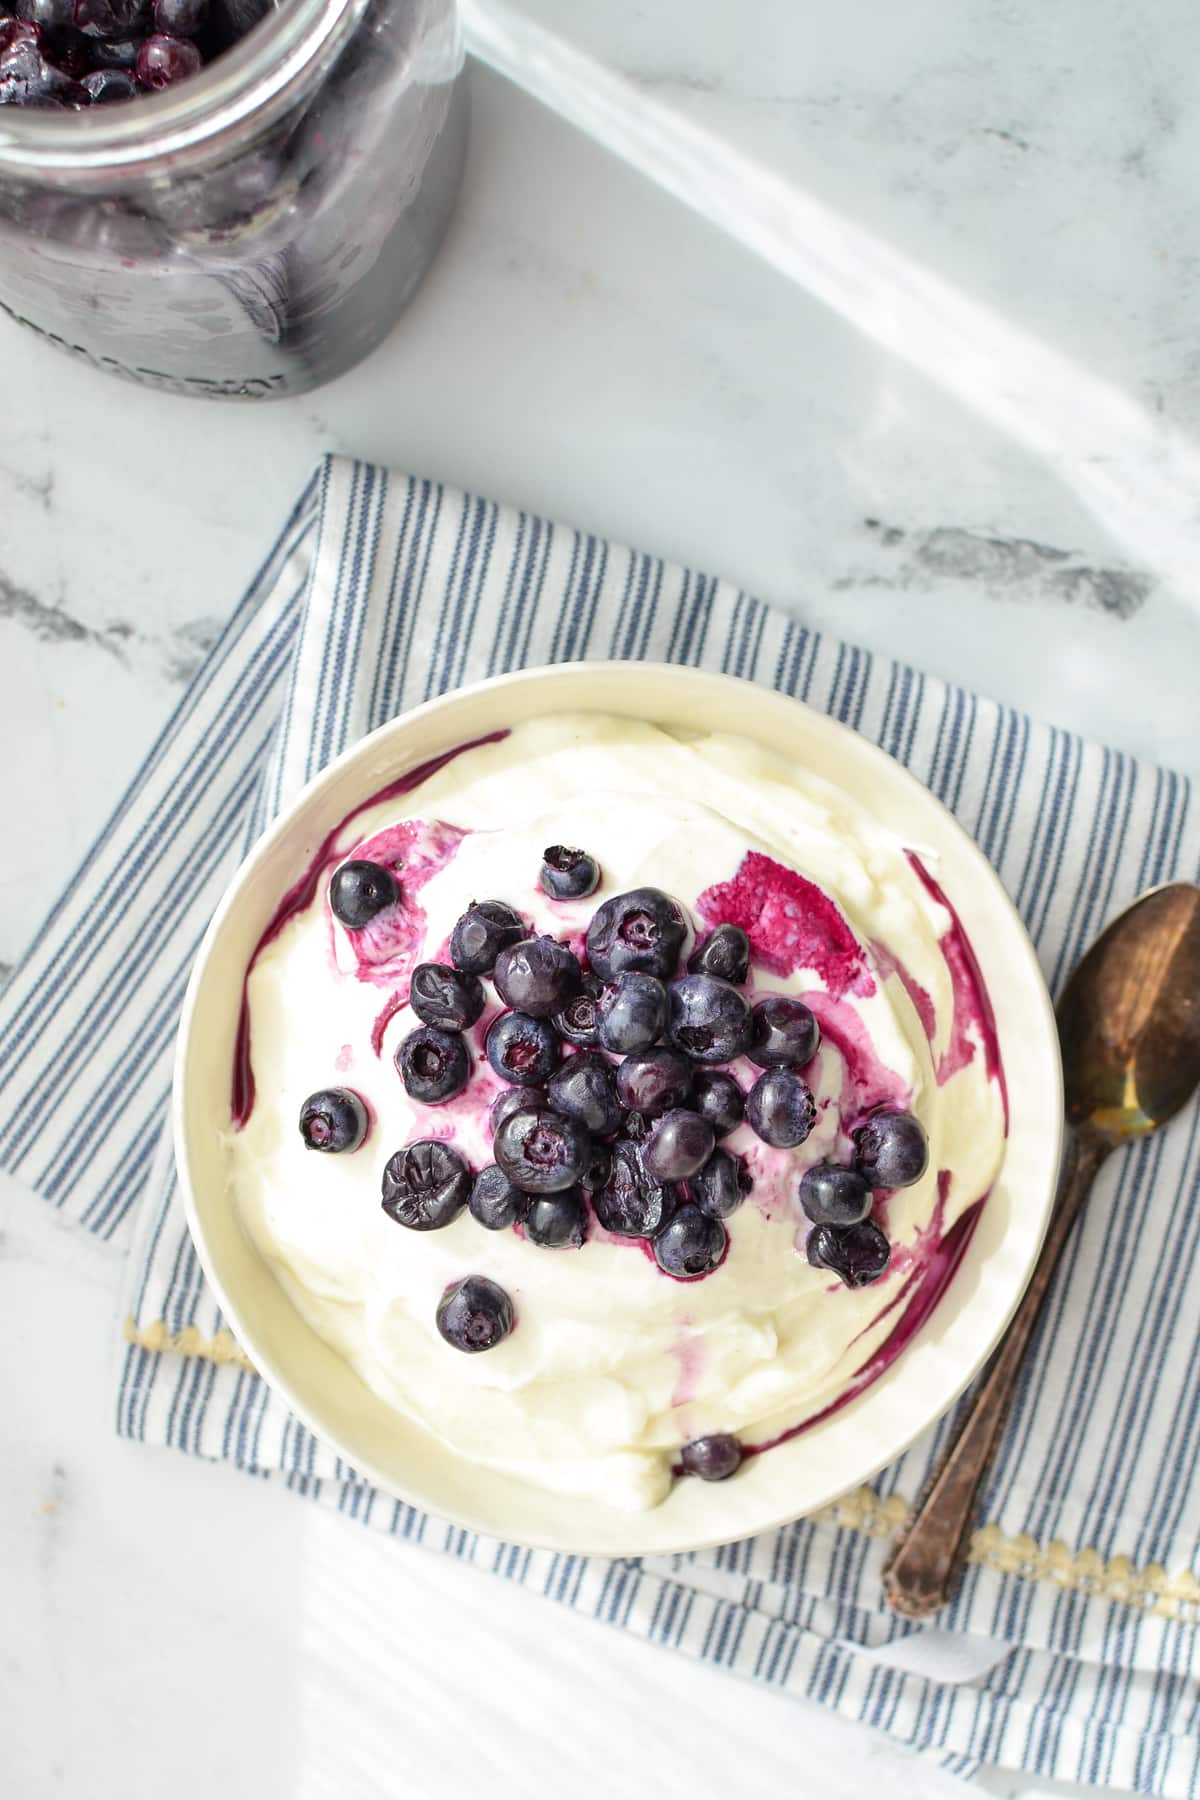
[299, 898]
[791, 924]
[889, 964]
[972, 1006]
[688, 1351]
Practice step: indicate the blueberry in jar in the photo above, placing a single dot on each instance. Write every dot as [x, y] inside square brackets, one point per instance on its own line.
[832, 1196]
[103, 86]
[47, 15]
[522, 1049]
[360, 891]
[333, 1120]
[709, 1019]
[725, 952]
[856, 1254]
[643, 929]
[892, 1150]
[434, 1065]
[785, 1033]
[443, 996]
[474, 1314]
[180, 18]
[162, 61]
[780, 1108]
[542, 1151]
[537, 975]
[690, 1244]
[485, 929]
[568, 874]
[425, 1185]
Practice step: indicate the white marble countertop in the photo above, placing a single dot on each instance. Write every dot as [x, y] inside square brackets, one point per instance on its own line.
[1010, 508]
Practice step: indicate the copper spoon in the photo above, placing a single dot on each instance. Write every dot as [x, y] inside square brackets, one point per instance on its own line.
[1129, 1027]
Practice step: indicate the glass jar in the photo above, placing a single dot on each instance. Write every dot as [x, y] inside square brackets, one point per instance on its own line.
[257, 229]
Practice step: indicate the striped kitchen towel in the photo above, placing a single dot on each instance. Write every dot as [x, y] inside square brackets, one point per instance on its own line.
[1072, 1649]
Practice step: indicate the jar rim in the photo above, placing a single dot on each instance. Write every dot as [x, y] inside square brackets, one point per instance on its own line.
[257, 79]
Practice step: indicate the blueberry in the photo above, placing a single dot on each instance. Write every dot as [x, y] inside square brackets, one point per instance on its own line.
[180, 18]
[784, 1032]
[425, 1185]
[515, 1099]
[721, 1185]
[678, 1145]
[585, 1089]
[859, 1254]
[717, 1097]
[556, 1221]
[892, 1150]
[26, 78]
[709, 1019]
[690, 1245]
[725, 952]
[833, 1196]
[637, 1127]
[433, 1065]
[114, 53]
[578, 1022]
[69, 50]
[112, 18]
[485, 929]
[474, 1314]
[631, 1203]
[47, 15]
[442, 996]
[656, 1082]
[643, 929]
[780, 1107]
[599, 1168]
[334, 1119]
[494, 1201]
[103, 86]
[713, 1458]
[568, 874]
[542, 1152]
[162, 61]
[360, 891]
[632, 1013]
[537, 975]
[521, 1049]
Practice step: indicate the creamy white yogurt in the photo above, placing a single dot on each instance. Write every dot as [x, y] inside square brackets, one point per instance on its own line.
[613, 1366]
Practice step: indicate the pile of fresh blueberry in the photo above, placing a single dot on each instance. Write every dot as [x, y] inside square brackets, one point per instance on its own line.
[68, 54]
[616, 1096]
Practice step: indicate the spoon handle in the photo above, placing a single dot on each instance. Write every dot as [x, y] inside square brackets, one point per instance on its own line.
[923, 1570]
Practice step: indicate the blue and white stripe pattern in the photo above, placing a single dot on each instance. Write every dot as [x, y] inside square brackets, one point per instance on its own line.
[384, 590]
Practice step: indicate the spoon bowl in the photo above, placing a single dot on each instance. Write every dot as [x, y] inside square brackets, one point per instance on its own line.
[1129, 1019]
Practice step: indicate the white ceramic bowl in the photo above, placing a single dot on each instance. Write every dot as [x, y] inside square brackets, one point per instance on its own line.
[796, 1477]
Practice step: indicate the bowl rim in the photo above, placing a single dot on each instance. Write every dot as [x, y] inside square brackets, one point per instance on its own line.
[1043, 1031]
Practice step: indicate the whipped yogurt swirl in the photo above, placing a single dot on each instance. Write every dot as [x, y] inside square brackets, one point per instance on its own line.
[613, 1366]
